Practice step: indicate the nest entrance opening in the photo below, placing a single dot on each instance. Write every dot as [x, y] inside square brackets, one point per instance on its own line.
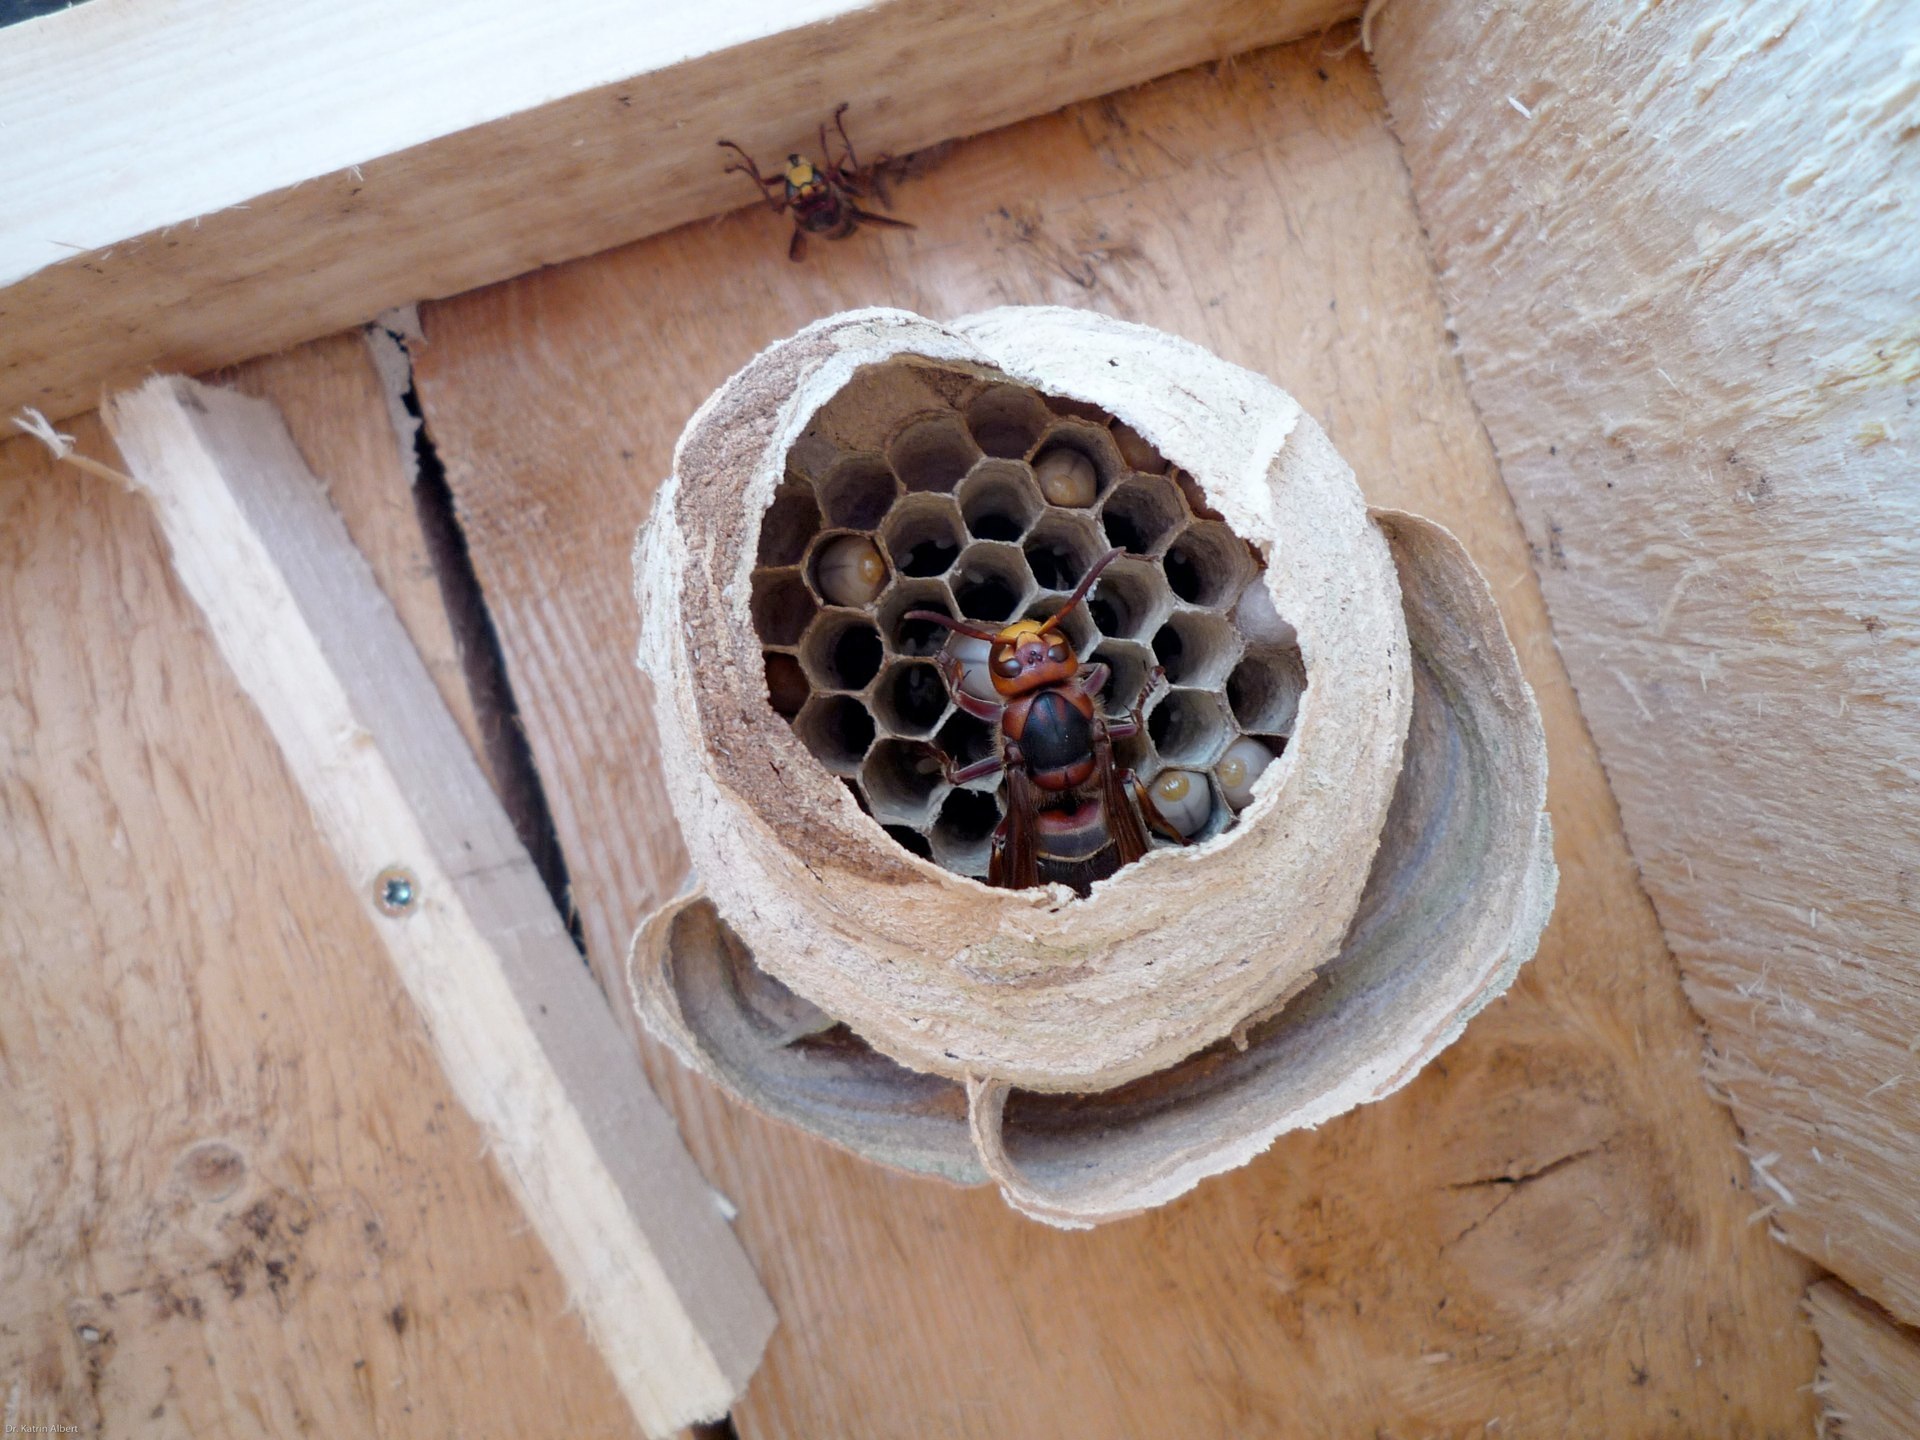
[958, 478]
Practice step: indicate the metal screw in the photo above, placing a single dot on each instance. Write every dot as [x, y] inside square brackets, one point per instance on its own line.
[395, 890]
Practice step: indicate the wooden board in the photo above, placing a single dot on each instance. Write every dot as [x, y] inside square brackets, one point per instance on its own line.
[1684, 286]
[1869, 1367]
[239, 1198]
[248, 175]
[526, 1041]
[1549, 1230]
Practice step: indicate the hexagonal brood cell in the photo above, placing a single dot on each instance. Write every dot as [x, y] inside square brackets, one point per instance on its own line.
[914, 637]
[991, 583]
[1141, 513]
[963, 830]
[841, 651]
[999, 500]
[1264, 690]
[1130, 600]
[845, 567]
[838, 729]
[966, 740]
[1208, 564]
[1072, 441]
[1190, 727]
[932, 453]
[1061, 547]
[902, 780]
[857, 493]
[782, 606]
[1128, 664]
[1196, 647]
[791, 522]
[910, 698]
[963, 527]
[923, 536]
[1007, 420]
[787, 687]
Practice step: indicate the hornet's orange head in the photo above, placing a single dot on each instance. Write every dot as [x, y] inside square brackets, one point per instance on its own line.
[1028, 654]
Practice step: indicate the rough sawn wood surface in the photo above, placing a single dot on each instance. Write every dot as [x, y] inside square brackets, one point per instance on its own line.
[1685, 281]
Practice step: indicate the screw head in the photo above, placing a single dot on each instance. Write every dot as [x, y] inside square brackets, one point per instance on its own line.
[395, 891]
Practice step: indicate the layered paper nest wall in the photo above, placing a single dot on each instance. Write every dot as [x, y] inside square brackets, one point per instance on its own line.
[1094, 1056]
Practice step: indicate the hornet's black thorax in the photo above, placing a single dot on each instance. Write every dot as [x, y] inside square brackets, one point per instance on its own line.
[1054, 730]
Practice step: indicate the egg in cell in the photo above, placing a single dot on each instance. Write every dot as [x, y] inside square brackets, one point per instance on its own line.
[850, 571]
[1183, 798]
[1246, 759]
[1066, 477]
[972, 654]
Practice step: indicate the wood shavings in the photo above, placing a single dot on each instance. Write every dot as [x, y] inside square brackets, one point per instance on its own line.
[60, 445]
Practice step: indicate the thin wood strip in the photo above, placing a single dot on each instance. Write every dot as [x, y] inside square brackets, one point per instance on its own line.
[332, 395]
[524, 1037]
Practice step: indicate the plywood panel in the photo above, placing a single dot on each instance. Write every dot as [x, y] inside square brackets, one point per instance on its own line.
[239, 1198]
[1547, 1233]
[1869, 1367]
[1678, 247]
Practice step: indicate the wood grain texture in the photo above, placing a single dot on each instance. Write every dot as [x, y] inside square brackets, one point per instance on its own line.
[239, 1198]
[253, 174]
[1549, 1229]
[329, 394]
[527, 1043]
[1684, 287]
[1869, 1368]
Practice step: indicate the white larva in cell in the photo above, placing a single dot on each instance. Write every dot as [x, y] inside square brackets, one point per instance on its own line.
[1183, 799]
[975, 679]
[1066, 477]
[1257, 618]
[1243, 764]
[850, 571]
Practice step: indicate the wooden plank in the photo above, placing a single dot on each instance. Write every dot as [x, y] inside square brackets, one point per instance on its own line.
[527, 1042]
[1548, 1229]
[1684, 286]
[240, 1197]
[1869, 1367]
[250, 175]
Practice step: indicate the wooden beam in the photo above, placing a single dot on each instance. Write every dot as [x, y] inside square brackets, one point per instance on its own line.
[525, 1039]
[236, 178]
[1683, 279]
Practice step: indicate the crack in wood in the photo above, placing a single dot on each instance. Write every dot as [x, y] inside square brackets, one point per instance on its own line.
[1514, 1184]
